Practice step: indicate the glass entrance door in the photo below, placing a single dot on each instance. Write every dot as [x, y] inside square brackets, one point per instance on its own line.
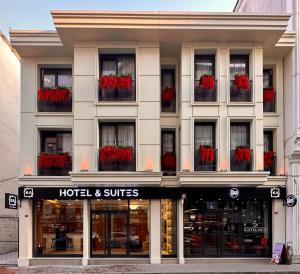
[110, 232]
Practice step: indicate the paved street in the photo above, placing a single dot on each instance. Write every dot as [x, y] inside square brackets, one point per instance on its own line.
[241, 268]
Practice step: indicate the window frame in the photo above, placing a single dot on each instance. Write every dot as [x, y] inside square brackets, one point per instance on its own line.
[56, 72]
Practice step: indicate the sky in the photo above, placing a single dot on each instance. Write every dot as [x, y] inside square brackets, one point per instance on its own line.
[35, 14]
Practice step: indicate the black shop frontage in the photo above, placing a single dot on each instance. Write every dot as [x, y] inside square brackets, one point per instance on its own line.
[218, 222]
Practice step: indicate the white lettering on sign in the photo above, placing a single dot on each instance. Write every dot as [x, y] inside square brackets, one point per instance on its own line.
[107, 192]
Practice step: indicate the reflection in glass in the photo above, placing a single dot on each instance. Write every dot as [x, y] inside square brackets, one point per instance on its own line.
[168, 227]
[120, 227]
[58, 228]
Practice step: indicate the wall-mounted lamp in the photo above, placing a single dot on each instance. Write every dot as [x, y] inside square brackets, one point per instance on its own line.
[149, 165]
[186, 167]
[28, 171]
[84, 166]
[183, 198]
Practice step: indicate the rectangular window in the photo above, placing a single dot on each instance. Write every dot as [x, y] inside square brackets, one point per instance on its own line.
[168, 90]
[205, 153]
[241, 154]
[205, 84]
[58, 228]
[117, 77]
[269, 153]
[55, 156]
[269, 93]
[55, 93]
[120, 227]
[117, 147]
[168, 152]
[240, 83]
[169, 227]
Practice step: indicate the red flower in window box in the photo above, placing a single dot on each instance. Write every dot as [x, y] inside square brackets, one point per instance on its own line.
[207, 154]
[168, 94]
[114, 153]
[269, 95]
[207, 82]
[268, 158]
[242, 154]
[57, 95]
[51, 160]
[169, 161]
[114, 81]
[241, 82]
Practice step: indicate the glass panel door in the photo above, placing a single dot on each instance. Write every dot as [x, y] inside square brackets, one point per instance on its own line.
[118, 236]
[99, 233]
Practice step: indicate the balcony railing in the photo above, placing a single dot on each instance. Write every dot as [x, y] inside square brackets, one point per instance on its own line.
[240, 95]
[57, 105]
[118, 165]
[240, 165]
[269, 101]
[272, 168]
[118, 94]
[54, 167]
[202, 94]
[202, 164]
[168, 164]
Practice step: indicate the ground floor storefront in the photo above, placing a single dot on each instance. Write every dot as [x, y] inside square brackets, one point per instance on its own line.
[146, 224]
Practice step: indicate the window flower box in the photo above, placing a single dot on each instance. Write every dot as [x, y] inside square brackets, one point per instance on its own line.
[242, 154]
[207, 82]
[169, 161]
[207, 154]
[115, 153]
[269, 157]
[241, 82]
[57, 95]
[269, 95]
[123, 82]
[51, 160]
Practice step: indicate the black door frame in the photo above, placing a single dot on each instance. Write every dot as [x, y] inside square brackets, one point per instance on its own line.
[107, 241]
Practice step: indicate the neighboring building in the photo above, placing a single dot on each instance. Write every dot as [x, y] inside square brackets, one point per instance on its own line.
[9, 140]
[170, 160]
[291, 99]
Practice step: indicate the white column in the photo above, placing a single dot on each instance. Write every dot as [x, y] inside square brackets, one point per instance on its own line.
[278, 222]
[86, 232]
[155, 244]
[180, 232]
[25, 233]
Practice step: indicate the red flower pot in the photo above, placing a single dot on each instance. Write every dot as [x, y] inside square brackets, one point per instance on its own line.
[113, 82]
[114, 153]
[207, 82]
[268, 158]
[243, 154]
[207, 154]
[51, 160]
[168, 94]
[269, 95]
[57, 95]
[169, 161]
[241, 82]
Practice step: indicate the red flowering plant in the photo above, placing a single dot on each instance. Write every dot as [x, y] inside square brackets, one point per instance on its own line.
[169, 161]
[206, 153]
[54, 95]
[115, 82]
[242, 154]
[115, 153]
[241, 82]
[52, 160]
[207, 82]
[269, 95]
[268, 158]
[168, 94]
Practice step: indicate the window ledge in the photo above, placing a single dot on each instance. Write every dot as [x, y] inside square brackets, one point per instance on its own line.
[238, 104]
[169, 114]
[271, 114]
[205, 103]
[117, 103]
[54, 114]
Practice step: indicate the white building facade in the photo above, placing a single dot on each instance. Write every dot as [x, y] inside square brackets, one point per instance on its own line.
[151, 137]
[291, 107]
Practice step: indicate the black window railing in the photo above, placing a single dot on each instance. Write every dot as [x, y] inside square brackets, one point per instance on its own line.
[238, 94]
[269, 99]
[240, 163]
[115, 93]
[54, 164]
[204, 162]
[111, 164]
[54, 100]
[205, 93]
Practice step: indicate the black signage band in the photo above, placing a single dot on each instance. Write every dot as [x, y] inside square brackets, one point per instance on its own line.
[72, 193]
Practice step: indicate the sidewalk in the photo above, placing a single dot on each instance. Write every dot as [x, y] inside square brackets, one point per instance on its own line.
[241, 268]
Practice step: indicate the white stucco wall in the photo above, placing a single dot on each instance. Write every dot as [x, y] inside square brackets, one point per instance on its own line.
[9, 122]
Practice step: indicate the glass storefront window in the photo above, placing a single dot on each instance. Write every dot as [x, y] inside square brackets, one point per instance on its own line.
[58, 228]
[226, 228]
[168, 227]
[120, 227]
